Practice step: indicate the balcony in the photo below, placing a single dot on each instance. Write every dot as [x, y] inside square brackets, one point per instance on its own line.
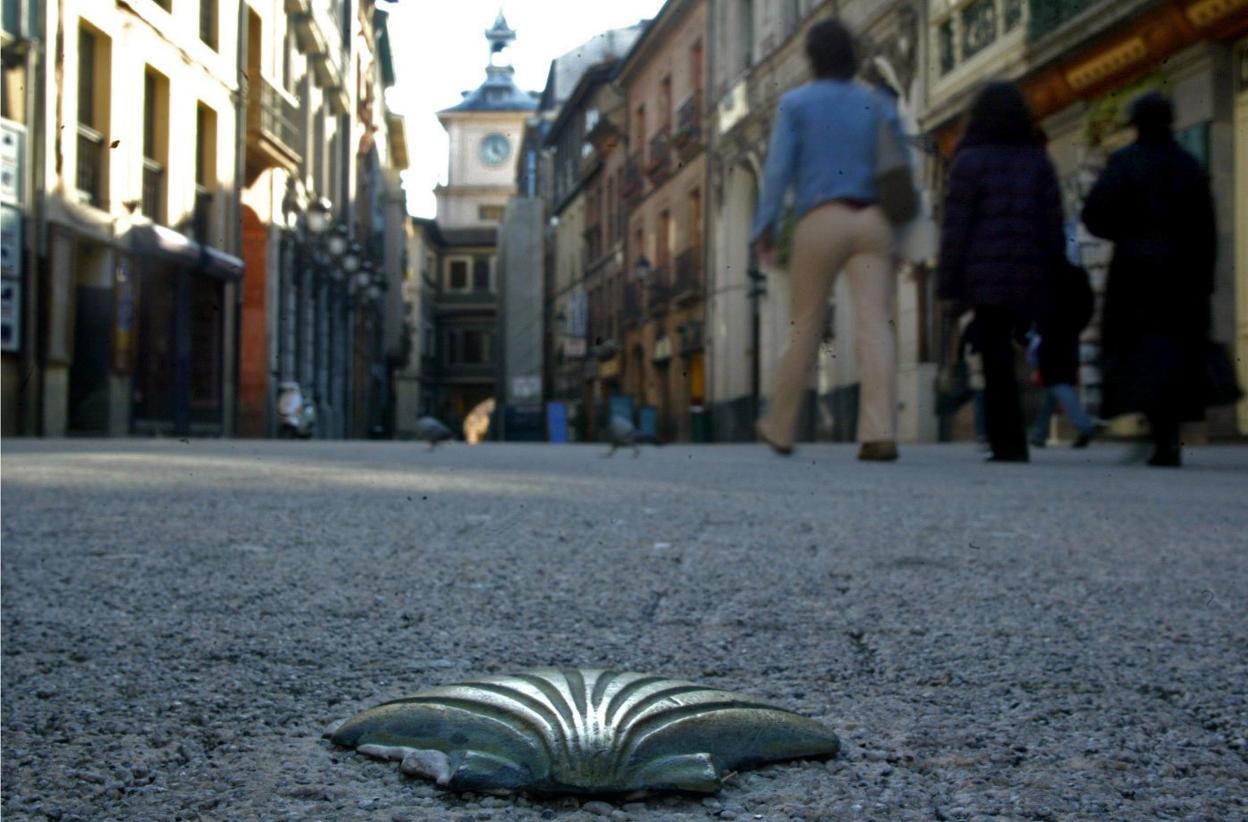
[91, 166]
[632, 312]
[660, 164]
[687, 285]
[632, 185]
[688, 136]
[1051, 14]
[274, 133]
[153, 202]
[659, 292]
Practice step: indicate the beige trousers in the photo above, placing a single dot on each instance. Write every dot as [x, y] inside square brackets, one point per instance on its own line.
[828, 239]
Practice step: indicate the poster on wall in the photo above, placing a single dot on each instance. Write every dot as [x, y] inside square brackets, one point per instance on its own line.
[12, 140]
[10, 243]
[10, 315]
[123, 315]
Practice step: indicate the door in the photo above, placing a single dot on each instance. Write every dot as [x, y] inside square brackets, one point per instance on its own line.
[93, 317]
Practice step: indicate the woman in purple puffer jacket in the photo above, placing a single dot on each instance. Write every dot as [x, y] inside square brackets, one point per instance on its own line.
[1001, 244]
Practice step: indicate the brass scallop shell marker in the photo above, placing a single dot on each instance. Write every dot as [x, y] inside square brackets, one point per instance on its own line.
[579, 731]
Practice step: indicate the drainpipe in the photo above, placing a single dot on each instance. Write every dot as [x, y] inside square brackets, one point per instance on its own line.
[31, 391]
[708, 348]
[236, 202]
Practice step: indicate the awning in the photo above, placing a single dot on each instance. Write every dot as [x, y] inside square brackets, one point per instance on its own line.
[177, 248]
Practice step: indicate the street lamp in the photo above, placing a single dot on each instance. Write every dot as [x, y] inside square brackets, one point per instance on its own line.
[642, 268]
[320, 211]
[337, 241]
[351, 259]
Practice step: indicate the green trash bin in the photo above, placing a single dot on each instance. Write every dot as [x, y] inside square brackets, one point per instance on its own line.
[699, 424]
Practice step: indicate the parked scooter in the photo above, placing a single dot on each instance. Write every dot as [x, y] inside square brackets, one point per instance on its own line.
[296, 414]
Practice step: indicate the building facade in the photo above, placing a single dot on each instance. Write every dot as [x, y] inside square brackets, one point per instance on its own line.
[664, 194]
[171, 154]
[1080, 65]
[125, 288]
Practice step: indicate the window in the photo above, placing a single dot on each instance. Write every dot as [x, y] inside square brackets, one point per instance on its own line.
[208, 22]
[641, 128]
[695, 67]
[205, 170]
[155, 144]
[695, 220]
[1012, 14]
[468, 346]
[490, 213]
[457, 275]
[663, 249]
[948, 52]
[93, 65]
[481, 274]
[979, 27]
[665, 103]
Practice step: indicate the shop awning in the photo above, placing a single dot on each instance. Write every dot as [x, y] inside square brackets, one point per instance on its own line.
[177, 248]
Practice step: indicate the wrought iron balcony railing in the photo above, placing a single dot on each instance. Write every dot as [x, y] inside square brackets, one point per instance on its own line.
[659, 290]
[660, 158]
[632, 184]
[1048, 15]
[632, 309]
[274, 126]
[153, 203]
[91, 165]
[688, 136]
[687, 284]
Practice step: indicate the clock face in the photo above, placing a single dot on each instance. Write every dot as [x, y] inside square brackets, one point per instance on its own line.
[495, 148]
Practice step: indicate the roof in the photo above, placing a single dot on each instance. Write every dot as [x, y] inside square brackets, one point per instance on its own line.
[670, 11]
[590, 80]
[499, 92]
[566, 70]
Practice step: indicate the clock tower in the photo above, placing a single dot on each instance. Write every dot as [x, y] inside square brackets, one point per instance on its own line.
[484, 130]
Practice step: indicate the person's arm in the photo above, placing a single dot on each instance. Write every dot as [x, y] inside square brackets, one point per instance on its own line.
[955, 229]
[1101, 209]
[1054, 219]
[778, 174]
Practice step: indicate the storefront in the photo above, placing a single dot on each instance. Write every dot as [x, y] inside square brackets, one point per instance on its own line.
[178, 313]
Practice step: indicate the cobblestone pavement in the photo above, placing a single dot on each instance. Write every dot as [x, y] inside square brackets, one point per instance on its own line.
[183, 620]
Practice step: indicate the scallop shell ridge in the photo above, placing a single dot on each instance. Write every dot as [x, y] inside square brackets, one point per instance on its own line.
[585, 731]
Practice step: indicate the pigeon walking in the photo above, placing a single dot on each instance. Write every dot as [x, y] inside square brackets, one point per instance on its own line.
[621, 434]
[432, 431]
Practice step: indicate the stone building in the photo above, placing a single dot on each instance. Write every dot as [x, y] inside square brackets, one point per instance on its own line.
[663, 186]
[542, 250]
[168, 281]
[485, 130]
[123, 280]
[320, 231]
[1080, 64]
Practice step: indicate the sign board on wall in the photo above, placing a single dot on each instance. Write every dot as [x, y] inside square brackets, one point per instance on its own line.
[10, 242]
[10, 315]
[12, 167]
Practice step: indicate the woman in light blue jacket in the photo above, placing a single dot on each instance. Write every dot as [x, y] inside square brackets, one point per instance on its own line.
[823, 146]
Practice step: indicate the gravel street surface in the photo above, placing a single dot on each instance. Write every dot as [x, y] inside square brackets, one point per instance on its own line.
[1061, 640]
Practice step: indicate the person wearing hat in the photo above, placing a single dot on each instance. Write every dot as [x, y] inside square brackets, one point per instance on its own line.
[1154, 202]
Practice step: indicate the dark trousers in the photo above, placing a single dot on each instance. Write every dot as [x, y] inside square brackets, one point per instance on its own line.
[1002, 404]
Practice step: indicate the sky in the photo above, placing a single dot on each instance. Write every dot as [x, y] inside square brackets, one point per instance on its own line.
[440, 51]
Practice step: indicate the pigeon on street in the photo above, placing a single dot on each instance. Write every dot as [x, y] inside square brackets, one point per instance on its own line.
[432, 431]
[622, 434]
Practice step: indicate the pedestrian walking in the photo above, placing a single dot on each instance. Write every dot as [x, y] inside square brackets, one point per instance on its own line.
[1069, 309]
[1001, 239]
[1153, 201]
[824, 145]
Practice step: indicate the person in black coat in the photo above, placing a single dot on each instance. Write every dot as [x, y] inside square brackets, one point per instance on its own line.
[1001, 239]
[1153, 201]
[1069, 309]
